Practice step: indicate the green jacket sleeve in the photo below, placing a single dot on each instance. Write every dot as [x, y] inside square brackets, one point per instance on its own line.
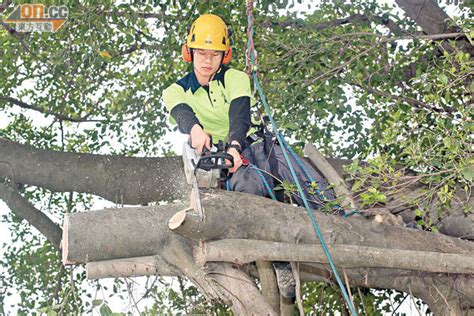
[174, 95]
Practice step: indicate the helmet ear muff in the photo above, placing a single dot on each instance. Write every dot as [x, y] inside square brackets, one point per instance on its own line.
[186, 53]
[227, 56]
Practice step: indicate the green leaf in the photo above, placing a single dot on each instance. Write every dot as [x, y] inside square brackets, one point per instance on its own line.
[470, 36]
[443, 78]
[468, 173]
[356, 186]
[97, 302]
[105, 310]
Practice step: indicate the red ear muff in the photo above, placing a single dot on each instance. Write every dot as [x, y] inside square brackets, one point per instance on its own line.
[227, 56]
[186, 53]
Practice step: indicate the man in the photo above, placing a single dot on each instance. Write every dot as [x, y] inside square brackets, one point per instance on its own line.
[214, 101]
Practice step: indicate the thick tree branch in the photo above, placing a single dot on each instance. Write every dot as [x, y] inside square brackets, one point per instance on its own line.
[116, 178]
[24, 209]
[243, 251]
[331, 175]
[433, 20]
[283, 223]
[427, 14]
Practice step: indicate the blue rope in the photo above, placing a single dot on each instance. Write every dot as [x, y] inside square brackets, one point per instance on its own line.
[295, 157]
[265, 183]
[300, 190]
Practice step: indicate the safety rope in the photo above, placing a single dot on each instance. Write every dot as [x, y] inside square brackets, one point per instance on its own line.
[264, 181]
[252, 69]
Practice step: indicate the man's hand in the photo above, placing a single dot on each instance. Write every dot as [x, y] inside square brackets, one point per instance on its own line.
[237, 159]
[199, 138]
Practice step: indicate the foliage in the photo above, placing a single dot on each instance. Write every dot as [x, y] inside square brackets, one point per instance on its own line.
[357, 89]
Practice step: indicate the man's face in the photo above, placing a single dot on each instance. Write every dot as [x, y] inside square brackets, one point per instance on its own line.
[207, 62]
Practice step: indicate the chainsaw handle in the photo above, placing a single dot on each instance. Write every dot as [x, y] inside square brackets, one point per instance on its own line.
[210, 160]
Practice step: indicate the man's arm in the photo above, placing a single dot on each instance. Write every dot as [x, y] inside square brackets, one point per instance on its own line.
[188, 123]
[239, 120]
[185, 117]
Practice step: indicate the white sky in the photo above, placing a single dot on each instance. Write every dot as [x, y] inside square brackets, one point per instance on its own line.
[176, 139]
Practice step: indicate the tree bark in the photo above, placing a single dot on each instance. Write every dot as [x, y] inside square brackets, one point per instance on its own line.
[241, 251]
[130, 267]
[260, 219]
[268, 283]
[124, 180]
[24, 209]
[433, 20]
[331, 175]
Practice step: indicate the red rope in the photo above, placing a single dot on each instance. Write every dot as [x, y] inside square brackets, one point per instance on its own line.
[250, 47]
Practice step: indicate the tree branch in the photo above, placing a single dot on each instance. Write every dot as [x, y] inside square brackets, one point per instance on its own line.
[128, 180]
[5, 4]
[268, 281]
[144, 15]
[136, 47]
[24, 209]
[356, 18]
[130, 267]
[388, 39]
[25, 105]
[59, 116]
[283, 223]
[330, 174]
[11, 30]
[434, 20]
[427, 14]
[241, 251]
[413, 102]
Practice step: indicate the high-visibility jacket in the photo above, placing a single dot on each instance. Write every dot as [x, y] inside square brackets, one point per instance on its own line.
[222, 108]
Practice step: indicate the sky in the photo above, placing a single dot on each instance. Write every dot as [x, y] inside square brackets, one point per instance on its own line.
[176, 139]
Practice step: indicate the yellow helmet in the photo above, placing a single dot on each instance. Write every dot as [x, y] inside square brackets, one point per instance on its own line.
[209, 32]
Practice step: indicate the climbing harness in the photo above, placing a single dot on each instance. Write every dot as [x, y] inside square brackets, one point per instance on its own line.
[252, 70]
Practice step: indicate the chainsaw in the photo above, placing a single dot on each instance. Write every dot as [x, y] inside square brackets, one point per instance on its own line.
[207, 170]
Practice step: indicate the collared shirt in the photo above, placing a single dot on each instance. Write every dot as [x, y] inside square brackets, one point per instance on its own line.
[211, 104]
